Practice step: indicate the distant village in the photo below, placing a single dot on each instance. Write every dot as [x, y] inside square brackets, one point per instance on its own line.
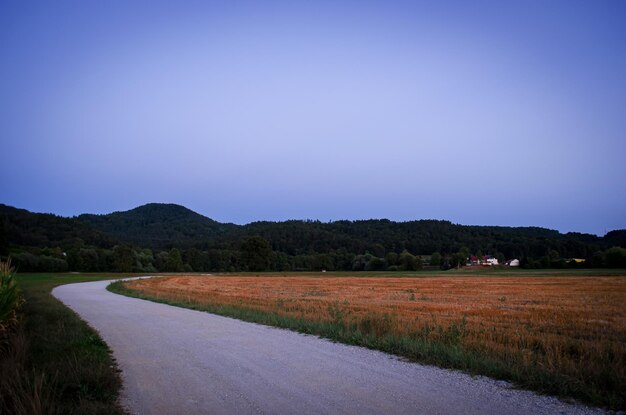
[488, 261]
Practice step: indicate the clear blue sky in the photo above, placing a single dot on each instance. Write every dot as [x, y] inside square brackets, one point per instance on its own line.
[487, 113]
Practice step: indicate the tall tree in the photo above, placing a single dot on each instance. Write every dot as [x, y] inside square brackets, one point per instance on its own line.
[407, 262]
[615, 257]
[123, 258]
[435, 259]
[174, 261]
[256, 253]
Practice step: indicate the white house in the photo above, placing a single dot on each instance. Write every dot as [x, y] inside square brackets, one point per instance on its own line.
[490, 261]
[514, 263]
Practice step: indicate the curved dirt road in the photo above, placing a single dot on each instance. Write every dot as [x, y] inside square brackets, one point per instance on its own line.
[179, 361]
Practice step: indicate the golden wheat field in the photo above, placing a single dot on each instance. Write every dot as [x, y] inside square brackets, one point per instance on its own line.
[573, 326]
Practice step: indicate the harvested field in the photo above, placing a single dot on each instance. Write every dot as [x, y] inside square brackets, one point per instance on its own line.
[564, 335]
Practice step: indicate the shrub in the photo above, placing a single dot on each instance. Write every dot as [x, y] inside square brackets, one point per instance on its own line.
[9, 297]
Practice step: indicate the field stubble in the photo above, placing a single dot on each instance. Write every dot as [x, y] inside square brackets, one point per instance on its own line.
[563, 335]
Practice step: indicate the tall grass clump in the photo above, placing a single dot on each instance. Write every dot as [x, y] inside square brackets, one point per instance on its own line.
[9, 301]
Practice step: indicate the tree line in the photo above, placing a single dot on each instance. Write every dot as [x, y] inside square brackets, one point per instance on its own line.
[255, 254]
[171, 238]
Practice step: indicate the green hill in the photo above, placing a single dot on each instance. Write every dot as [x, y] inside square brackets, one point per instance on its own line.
[158, 225]
[19, 227]
[120, 241]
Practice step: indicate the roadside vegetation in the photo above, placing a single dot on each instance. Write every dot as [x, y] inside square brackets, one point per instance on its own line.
[556, 334]
[51, 362]
[9, 301]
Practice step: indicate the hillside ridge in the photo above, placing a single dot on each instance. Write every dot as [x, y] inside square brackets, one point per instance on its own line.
[157, 225]
[164, 226]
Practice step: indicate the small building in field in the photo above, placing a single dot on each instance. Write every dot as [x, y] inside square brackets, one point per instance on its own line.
[513, 263]
[490, 261]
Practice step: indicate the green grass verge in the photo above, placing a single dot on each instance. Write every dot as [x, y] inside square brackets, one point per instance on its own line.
[55, 363]
[447, 353]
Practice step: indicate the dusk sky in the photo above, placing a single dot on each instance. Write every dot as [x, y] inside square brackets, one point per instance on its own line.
[481, 113]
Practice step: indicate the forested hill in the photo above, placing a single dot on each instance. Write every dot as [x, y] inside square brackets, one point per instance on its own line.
[167, 225]
[424, 237]
[159, 225]
[19, 227]
[156, 236]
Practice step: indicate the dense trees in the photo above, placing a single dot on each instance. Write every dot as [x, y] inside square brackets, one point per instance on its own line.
[615, 257]
[172, 238]
[123, 258]
[174, 262]
[256, 257]
[23, 228]
[4, 242]
[255, 254]
[435, 259]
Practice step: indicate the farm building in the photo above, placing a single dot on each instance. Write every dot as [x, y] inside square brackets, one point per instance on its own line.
[487, 260]
[490, 261]
[513, 263]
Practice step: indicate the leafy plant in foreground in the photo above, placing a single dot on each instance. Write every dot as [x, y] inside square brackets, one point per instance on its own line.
[9, 296]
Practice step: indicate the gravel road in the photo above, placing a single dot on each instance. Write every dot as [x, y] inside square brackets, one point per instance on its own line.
[178, 361]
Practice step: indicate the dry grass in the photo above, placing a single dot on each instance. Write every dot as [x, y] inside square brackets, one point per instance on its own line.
[573, 327]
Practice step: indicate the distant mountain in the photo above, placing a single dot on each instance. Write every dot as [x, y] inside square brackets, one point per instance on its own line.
[158, 225]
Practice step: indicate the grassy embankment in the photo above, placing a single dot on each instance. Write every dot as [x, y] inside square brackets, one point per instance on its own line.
[551, 333]
[53, 363]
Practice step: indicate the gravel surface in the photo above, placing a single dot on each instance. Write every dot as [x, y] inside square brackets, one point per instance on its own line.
[179, 361]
